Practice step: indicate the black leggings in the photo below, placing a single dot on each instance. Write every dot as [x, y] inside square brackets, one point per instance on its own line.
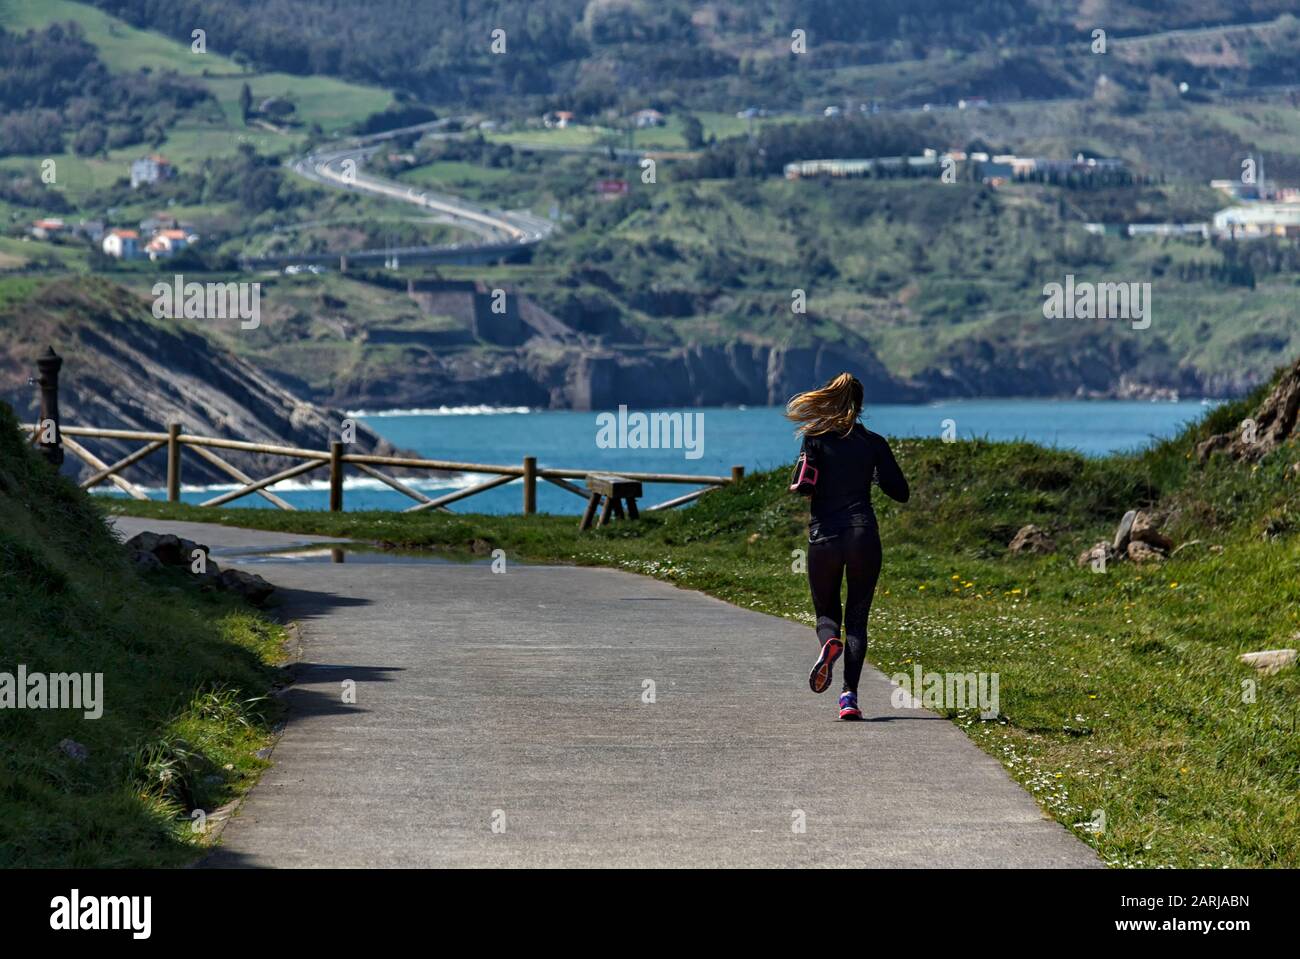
[852, 553]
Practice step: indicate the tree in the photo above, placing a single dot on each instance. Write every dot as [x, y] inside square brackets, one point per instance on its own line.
[90, 139]
[259, 190]
[245, 102]
[692, 131]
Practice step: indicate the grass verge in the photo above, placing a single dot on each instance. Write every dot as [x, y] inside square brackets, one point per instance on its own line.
[186, 677]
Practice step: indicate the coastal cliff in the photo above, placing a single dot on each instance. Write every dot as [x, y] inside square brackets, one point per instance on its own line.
[124, 369]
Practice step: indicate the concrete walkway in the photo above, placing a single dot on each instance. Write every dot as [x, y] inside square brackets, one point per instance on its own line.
[515, 699]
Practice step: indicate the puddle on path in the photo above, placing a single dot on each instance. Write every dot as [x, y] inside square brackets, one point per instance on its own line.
[356, 554]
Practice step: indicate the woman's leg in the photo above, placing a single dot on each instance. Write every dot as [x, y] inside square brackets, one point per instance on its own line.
[825, 571]
[862, 568]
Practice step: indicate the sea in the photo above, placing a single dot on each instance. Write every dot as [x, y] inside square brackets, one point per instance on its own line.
[756, 438]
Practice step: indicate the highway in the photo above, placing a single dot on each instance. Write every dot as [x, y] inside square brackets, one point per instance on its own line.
[342, 167]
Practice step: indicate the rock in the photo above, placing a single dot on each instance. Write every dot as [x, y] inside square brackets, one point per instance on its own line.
[1122, 533]
[1219, 443]
[480, 547]
[1031, 539]
[1101, 551]
[210, 578]
[1144, 530]
[1270, 426]
[167, 549]
[1269, 661]
[74, 750]
[1140, 552]
[754, 538]
[143, 561]
[164, 546]
[187, 548]
[153, 551]
[144, 542]
[248, 585]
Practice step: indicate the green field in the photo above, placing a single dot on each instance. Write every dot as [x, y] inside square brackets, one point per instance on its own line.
[454, 172]
[667, 137]
[331, 103]
[16, 254]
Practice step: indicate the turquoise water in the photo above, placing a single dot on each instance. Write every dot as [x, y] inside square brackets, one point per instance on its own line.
[757, 438]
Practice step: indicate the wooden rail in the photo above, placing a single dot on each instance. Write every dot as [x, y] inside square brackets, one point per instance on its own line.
[336, 461]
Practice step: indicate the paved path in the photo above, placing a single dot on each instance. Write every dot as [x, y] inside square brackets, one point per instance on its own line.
[519, 695]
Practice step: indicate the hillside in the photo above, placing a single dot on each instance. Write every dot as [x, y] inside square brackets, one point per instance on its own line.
[680, 292]
[125, 369]
[182, 692]
[599, 53]
[682, 295]
[365, 341]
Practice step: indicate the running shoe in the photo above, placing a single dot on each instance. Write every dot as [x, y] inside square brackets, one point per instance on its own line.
[849, 706]
[819, 679]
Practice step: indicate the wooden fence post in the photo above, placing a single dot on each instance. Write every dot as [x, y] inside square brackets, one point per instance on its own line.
[737, 474]
[336, 476]
[48, 364]
[530, 485]
[173, 462]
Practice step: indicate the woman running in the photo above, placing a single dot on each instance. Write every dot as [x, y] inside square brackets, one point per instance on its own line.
[843, 540]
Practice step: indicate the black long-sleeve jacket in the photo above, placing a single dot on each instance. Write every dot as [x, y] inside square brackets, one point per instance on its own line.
[846, 466]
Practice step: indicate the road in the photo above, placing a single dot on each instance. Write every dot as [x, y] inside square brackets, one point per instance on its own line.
[515, 700]
[342, 167]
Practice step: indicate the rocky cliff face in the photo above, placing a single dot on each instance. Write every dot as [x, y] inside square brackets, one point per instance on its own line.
[124, 369]
[565, 347]
[526, 355]
[563, 376]
[1267, 428]
[531, 357]
[699, 375]
[1091, 363]
[597, 375]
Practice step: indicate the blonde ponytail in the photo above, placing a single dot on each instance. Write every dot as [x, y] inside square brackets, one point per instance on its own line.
[832, 409]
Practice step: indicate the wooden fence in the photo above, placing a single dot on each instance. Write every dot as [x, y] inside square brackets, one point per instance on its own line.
[337, 461]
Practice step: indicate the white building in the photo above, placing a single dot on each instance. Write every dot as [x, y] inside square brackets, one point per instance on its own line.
[45, 229]
[1170, 229]
[648, 118]
[123, 244]
[167, 243]
[1258, 220]
[150, 169]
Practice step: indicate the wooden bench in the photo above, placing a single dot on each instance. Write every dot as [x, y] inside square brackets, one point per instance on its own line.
[614, 489]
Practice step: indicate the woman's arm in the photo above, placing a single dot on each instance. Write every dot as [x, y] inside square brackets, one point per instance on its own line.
[888, 475]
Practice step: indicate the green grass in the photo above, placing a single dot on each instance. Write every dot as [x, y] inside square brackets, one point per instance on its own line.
[186, 678]
[580, 135]
[122, 47]
[22, 254]
[1120, 692]
[449, 172]
[667, 137]
[332, 103]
